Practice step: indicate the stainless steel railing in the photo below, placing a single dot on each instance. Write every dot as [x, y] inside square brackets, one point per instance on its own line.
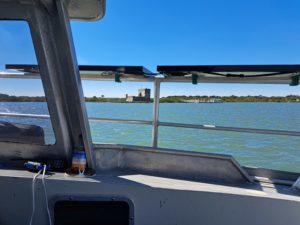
[155, 122]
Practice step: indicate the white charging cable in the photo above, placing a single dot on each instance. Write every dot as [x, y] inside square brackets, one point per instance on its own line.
[46, 196]
[45, 193]
[33, 196]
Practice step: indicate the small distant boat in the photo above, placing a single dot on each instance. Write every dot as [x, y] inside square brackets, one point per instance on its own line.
[214, 100]
[211, 100]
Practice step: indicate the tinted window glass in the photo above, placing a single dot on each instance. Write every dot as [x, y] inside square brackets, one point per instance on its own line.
[21, 96]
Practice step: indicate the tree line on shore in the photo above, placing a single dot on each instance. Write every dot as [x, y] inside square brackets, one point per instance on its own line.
[232, 98]
[168, 99]
[12, 98]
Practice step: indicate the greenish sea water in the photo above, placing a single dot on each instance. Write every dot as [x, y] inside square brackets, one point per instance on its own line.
[259, 150]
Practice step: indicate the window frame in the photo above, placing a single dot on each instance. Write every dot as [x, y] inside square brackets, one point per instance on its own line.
[35, 14]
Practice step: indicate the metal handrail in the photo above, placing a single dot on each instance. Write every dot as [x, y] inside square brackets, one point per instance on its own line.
[232, 129]
[145, 122]
[23, 115]
[168, 124]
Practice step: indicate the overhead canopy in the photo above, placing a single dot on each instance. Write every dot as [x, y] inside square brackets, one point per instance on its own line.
[92, 72]
[25, 68]
[285, 74]
[256, 74]
[133, 70]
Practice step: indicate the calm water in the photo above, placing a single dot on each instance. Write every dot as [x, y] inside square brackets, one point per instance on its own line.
[269, 151]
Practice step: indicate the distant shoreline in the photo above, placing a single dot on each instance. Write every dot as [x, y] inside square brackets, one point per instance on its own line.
[205, 99]
[168, 99]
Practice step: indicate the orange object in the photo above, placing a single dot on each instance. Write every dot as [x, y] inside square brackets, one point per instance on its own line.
[79, 161]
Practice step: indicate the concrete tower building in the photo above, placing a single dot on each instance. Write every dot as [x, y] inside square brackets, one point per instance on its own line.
[143, 96]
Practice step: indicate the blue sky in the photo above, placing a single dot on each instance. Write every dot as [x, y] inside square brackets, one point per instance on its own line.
[151, 33]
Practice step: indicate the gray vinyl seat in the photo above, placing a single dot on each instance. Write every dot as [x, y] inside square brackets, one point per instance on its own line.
[23, 133]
